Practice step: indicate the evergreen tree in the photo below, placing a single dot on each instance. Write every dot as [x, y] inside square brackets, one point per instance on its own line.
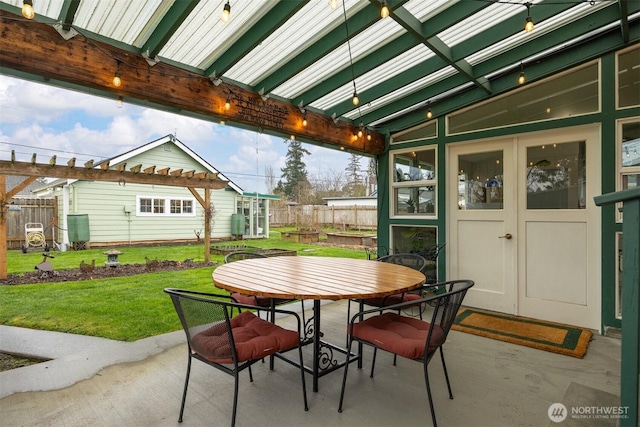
[354, 176]
[372, 174]
[294, 172]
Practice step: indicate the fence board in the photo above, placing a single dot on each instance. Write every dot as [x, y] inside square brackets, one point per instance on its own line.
[345, 217]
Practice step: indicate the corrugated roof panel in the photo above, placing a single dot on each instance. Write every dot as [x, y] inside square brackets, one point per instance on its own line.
[424, 10]
[121, 20]
[338, 59]
[289, 40]
[203, 36]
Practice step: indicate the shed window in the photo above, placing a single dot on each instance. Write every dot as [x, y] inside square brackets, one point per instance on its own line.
[157, 206]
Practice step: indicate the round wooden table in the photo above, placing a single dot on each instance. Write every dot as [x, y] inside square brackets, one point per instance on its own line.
[317, 278]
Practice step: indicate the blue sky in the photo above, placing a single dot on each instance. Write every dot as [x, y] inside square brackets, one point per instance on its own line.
[37, 118]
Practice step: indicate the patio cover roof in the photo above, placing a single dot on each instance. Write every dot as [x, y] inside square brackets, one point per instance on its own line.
[276, 61]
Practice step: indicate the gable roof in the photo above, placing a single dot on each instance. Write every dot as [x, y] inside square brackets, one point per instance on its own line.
[121, 158]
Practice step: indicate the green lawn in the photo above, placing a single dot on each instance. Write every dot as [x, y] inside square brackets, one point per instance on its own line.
[122, 308]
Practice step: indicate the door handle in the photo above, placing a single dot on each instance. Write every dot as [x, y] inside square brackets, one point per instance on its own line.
[507, 236]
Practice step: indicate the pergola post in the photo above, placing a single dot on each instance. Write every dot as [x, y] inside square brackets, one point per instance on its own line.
[3, 226]
[630, 358]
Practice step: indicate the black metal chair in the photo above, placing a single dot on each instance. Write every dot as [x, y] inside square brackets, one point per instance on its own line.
[430, 253]
[419, 340]
[228, 342]
[415, 261]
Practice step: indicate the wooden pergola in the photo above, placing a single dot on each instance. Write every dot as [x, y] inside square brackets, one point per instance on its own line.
[136, 174]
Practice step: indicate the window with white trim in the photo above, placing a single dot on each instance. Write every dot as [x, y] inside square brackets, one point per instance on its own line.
[413, 182]
[165, 206]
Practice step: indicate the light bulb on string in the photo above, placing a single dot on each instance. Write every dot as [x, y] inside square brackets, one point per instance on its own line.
[528, 22]
[227, 104]
[333, 4]
[119, 102]
[117, 81]
[384, 9]
[226, 13]
[355, 98]
[27, 9]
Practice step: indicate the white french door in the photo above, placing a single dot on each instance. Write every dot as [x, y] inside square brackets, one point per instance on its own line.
[523, 224]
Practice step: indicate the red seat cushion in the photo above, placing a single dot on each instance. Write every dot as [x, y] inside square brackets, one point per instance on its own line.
[255, 338]
[402, 335]
[392, 299]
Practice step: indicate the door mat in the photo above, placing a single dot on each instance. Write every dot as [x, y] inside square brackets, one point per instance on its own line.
[548, 336]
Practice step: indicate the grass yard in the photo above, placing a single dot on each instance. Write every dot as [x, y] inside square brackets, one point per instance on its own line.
[122, 308]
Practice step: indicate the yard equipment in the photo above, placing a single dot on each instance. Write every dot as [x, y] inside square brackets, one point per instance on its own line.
[45, 266]
[34, 237]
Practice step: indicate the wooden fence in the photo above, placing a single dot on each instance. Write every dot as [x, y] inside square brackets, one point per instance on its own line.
[342, 217]
[22, 211]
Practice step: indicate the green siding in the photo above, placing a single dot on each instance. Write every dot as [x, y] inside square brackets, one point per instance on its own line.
[105, 203]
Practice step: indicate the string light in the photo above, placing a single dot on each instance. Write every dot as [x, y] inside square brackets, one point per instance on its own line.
[117, 81]
[528, 22]
[384, 10]
[355, 98]
[333, 4]
[227, 104]
[226, 12]
[521, 77]
[119, 102]
[27, 9]
[429, 113]
[304, 119]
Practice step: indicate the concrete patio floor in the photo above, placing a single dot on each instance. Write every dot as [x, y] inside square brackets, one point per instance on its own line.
[98, 382]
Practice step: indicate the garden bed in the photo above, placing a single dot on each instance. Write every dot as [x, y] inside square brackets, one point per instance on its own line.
[352, 239]
[300, 236]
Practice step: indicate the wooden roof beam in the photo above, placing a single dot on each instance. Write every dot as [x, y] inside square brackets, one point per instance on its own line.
[91, 66]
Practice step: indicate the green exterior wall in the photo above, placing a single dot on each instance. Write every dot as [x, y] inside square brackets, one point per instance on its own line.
[606, 118]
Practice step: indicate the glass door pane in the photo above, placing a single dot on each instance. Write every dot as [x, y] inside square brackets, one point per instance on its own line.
[556, 176]
[480, 181]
